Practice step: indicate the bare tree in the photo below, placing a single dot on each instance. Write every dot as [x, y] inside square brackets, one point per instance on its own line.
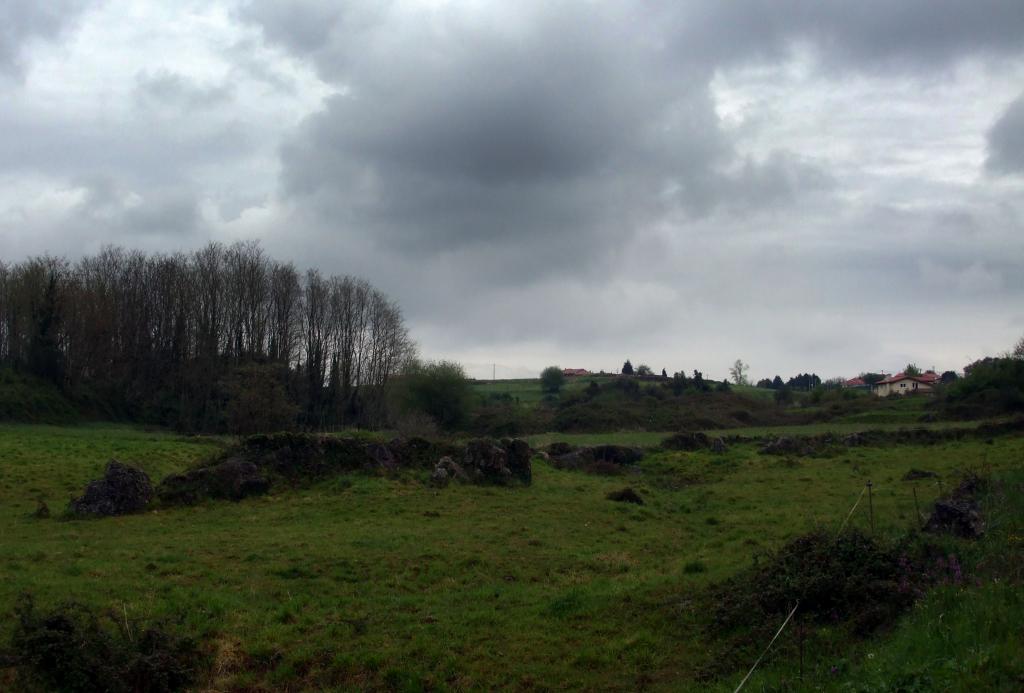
[171, 334]
[738, 373]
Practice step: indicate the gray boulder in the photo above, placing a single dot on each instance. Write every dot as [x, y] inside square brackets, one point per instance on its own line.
[447, 470]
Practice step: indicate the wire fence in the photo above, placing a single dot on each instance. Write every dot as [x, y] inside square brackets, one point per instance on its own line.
[868, 490]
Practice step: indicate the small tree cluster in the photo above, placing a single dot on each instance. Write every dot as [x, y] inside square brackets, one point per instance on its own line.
[438, 389]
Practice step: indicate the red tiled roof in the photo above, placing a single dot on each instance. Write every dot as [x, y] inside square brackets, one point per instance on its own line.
[855, 382]
[925, 378]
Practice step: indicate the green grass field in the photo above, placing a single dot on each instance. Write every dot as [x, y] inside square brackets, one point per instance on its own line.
[528, 391]
[374, 583]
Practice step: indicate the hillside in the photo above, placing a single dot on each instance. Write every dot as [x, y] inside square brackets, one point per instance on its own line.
[614, 403]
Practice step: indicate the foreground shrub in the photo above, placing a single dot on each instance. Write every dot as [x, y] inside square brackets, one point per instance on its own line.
[73, 649]
[850, 579]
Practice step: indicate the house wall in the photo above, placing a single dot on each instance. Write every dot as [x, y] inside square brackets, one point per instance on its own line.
[903, 387]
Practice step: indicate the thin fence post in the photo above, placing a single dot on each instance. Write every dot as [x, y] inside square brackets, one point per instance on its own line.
[871, 508]
[800, 623]
[938, 480]
[800, 628]
[917, 508]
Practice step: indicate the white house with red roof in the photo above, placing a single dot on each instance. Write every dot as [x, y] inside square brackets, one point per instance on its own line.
[903, 384]
[575, 372]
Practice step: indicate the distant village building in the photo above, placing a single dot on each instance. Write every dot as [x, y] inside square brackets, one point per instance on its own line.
[573, 372]
[856, 384]
[903, 384]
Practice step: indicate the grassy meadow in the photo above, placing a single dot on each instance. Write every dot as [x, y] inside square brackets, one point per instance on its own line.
[364, 582]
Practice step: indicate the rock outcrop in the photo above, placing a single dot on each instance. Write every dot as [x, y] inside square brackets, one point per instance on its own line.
[959, 513]
[497, 462]
[598, 459]
[787, 446]
[122, 490]
[688, 442]
[446, 471]
[232, 479]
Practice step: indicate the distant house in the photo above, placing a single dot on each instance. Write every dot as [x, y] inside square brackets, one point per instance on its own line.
[856, 383]
[573, 372]
[903, 384]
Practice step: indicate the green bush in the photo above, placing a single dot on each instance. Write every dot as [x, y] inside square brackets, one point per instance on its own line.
[258, 401]
[552, 379]
[992, 387]
[28, 399]
[438, 389]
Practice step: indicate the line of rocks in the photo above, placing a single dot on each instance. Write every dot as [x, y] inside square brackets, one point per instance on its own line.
[486, 461]
[593, 459]
[694, 441]
[257, 463]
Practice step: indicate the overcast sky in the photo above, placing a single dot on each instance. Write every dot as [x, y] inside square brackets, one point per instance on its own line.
[806, 185]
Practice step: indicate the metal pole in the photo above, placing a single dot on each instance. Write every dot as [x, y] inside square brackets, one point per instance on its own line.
[871, 508]
[800, 625]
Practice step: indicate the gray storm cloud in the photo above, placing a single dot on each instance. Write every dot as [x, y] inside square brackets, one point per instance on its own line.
[1006, 140]
[22, 22]
[803, 184]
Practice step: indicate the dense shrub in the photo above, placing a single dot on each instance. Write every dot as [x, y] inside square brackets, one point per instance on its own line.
[440, 390]
[850, 579]
[506, 419]
[27, 399]
[73, 649]
[992, 387]
[552, 379]
[258, 401]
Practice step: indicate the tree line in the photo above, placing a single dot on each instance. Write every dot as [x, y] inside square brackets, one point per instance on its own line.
[803, 381]
[205, 340]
